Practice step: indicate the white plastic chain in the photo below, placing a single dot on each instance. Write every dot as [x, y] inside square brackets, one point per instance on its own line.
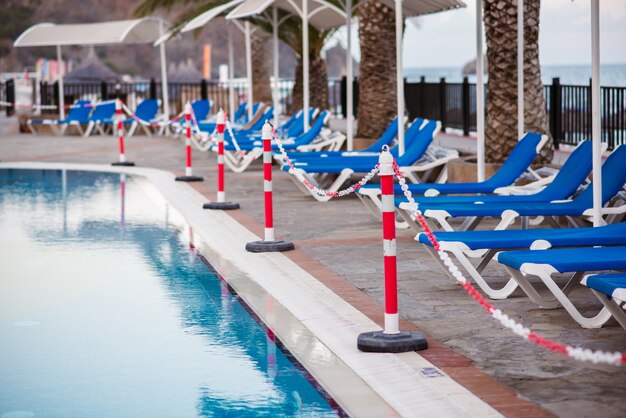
[314, 189]
[582, 354]
[245, 156]
[133, 116]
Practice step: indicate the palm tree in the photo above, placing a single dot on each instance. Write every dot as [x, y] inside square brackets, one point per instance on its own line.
[290, 32]
[377, 70]
[501, 123]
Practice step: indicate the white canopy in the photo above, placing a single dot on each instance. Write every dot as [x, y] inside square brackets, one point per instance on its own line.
[322, 15]
[204, 18]
[136, 31]
[422, 7]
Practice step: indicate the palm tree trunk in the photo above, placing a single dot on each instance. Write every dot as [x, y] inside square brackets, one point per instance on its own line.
[318, 83]
[261, 66]
[377, 70]
[501, 123]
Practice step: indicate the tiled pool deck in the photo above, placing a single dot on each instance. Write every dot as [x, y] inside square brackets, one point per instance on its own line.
[338, 243]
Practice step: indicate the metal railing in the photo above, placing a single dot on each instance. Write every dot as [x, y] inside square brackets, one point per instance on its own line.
[569, 111]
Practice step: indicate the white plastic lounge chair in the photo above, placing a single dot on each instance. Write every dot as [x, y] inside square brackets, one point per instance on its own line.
[102, 113]
[614, 177]
[518, 162]
[545, 263]
[416, 159]
[77, 116]
[610, 289]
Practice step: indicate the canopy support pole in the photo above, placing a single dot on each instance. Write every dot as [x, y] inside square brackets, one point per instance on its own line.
[305, 63]
[249, 68]
[520, 69]
[231, 75]
[595, 113]
[480, 95]
[165, 93]
[60, 80]
[275, 53]
[349, 77]
[399, 77]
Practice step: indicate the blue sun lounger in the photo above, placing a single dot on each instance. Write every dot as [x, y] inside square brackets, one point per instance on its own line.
[385, 139]
[146, 111]
[77, 116]
[290, 132]
[483, 245]
[238, 164]
[416, 159]
[518, 161]
[610, 289]
[200, 108]
[614, 177]
[102, 113]
[545, 263]
[289, 144]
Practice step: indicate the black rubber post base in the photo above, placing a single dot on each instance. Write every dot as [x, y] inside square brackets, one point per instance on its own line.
[269, 246]
[124, 164]
[221, 205]
[379, 342]
[189, 178]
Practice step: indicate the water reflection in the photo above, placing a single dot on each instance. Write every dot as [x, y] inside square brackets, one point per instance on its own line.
[192, 336]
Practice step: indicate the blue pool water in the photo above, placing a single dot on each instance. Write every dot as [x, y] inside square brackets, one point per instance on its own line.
[105, 312]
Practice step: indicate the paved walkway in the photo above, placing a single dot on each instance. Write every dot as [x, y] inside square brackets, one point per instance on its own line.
[339, 243]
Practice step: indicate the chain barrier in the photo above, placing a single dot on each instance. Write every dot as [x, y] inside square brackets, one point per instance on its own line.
[245, 156]
[311, 187]
[578, 353]
[136, 118]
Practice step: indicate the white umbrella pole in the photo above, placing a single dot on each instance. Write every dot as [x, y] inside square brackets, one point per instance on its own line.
[61, 89]
[305, 62]
[231, 74]
[275, 91]
[249, 68]
[165, 94]
[520, 69]
[399, 77]
[349, 77]
[480, 94]
[595, 113]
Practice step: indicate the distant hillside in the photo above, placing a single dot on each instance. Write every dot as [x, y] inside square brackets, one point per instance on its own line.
[136, 60]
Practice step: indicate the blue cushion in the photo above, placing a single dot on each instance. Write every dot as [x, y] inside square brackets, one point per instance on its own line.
[614, 234]
[607, 283]
[566, 260]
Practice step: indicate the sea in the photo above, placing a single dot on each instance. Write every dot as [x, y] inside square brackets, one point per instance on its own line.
[611, 75]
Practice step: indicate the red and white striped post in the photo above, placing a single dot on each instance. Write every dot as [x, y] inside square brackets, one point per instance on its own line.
[188, 170]
[221, 194]
[120, 133]
[269, 243]
[391, 339]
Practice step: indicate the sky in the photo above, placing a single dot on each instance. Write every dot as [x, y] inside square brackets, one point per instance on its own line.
[448, 39]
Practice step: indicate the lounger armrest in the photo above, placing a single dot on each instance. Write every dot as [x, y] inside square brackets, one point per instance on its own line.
[527, 189]
[618, 210]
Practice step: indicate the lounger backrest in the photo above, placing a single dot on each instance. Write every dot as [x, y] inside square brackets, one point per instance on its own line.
[314, 130]
[613, 178]
[201, 109]
[291, 120]
[386, 138]
[147, 109]
[79, 111]
[244, 118]
[298, 127]
[419, 145]
[268, 114]
[103, 111]
[241, 110]
[520, 158]
[409, 136]
[571, 175]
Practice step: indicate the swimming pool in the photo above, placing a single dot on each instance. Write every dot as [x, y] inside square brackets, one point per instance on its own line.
[105, 311]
